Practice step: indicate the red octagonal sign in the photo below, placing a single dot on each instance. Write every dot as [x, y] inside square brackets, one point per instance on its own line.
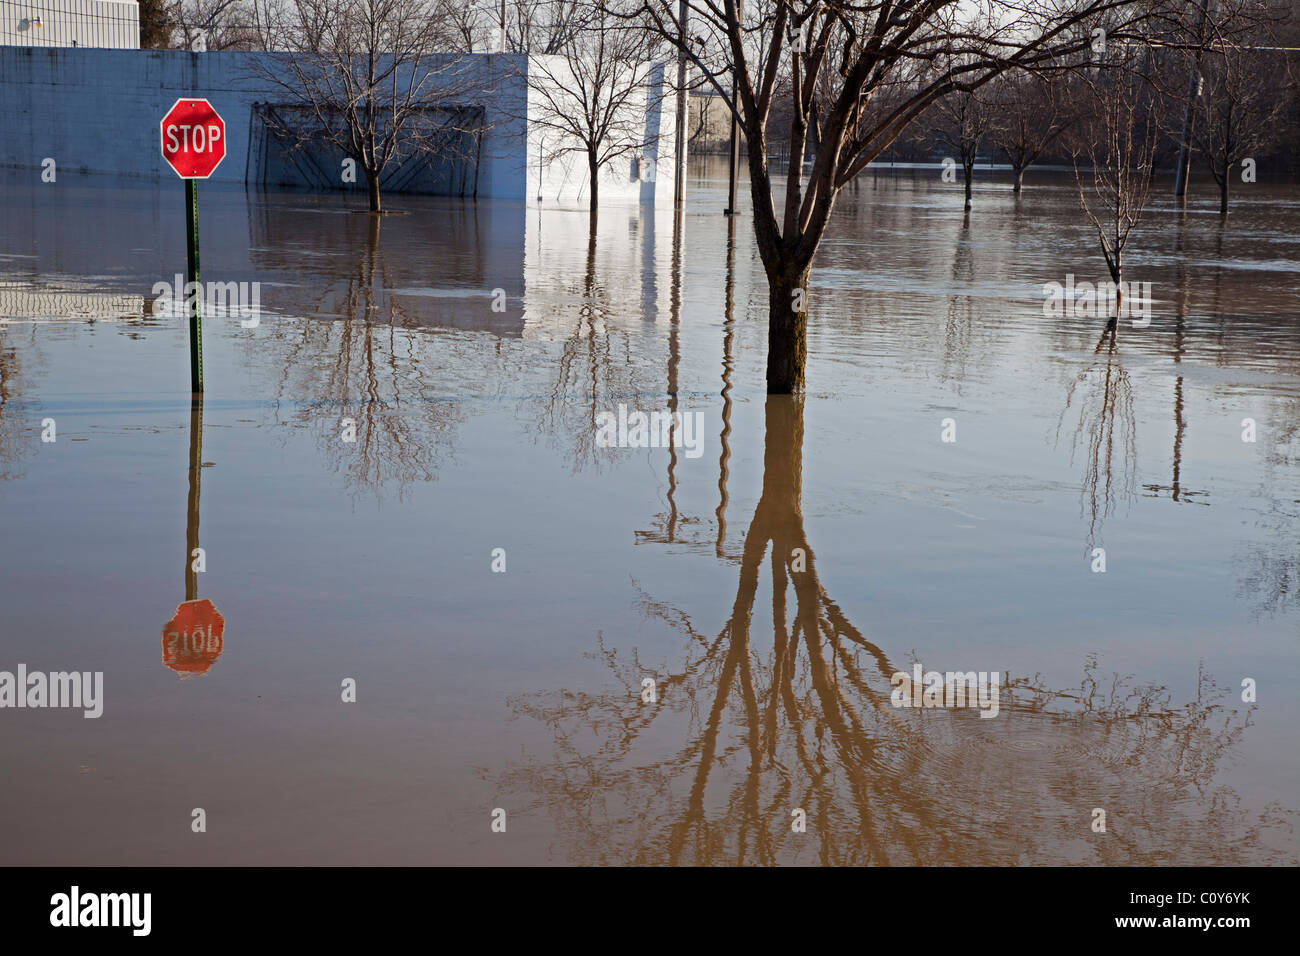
[193, 138]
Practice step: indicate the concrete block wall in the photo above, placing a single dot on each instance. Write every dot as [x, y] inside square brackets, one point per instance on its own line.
[98, 110]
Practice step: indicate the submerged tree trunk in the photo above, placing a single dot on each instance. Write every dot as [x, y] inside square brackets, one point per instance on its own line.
[787, 331]
[787, 271]
[1020, 177]
[593, 171]
[372, 181]
[1117, 279]
[1223, 193]
[968, 169]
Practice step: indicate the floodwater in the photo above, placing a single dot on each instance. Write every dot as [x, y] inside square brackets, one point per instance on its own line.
[769, 576]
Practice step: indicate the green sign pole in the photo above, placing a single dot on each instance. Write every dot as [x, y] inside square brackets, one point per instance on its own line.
[192, 285]
[192, 502]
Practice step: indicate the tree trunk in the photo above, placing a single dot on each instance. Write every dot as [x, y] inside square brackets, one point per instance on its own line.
[593, 171]
[372, 180]
[787, 332]
[1223, 193]
[1117, 279]
[969, 171]
[1020, 176]
[787, 274]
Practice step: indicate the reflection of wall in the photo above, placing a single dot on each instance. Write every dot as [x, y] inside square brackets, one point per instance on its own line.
[19, 300]
[709, 122]
[436, 265]
[54, 233]
[438, 262]
[622, 284]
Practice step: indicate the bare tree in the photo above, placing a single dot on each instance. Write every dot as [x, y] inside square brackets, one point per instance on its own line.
[371, 79]
[834, 58]
[592, 93]
[289, 24]
[1118, 136]
[543, 26]
[1239, 110]
[1033, 112]
[465, 25]
[702, 136]
[214, 25]
[962, 121]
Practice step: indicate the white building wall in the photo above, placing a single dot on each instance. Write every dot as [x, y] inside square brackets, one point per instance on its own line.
[563, 182]
[82, 23]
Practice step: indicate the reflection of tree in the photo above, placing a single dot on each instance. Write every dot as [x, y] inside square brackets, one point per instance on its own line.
[1176, 489]
[1271, 577]
[1270, 574]
[596, 368]
[370, 366]
[1107, 434]
[744, 732]
[15, 435]
[728, 370]
[961, 313]
[667, 521]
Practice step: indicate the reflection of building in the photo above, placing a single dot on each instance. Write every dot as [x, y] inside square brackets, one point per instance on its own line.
[19, 299]
[708, 125]
[436, 267]
[618, 284]
[79, 23]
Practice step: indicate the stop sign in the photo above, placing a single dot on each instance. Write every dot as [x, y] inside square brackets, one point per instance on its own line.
[193, 639]
[193, 138]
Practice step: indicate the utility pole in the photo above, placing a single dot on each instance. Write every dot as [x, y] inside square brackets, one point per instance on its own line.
[679, 144]
[733, 152]
[1193, 92]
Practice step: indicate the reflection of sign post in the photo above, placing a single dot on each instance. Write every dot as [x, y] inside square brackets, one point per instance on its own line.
[195, 636]
[194, 144]
[192, 500]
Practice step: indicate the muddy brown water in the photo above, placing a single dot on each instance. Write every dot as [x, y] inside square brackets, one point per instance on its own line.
[770, 576]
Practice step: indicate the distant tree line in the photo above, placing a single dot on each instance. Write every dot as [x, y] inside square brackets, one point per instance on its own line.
[1243, 99]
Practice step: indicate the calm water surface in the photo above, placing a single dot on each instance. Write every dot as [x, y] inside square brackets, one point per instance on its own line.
[522, 690]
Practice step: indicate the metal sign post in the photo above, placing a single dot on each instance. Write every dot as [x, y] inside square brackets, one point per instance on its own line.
[194, 144]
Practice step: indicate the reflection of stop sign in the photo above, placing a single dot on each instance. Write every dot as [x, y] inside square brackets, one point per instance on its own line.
[193, 138]
[193, 639]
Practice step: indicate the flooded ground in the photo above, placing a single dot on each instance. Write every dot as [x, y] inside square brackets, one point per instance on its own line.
[472, 349]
